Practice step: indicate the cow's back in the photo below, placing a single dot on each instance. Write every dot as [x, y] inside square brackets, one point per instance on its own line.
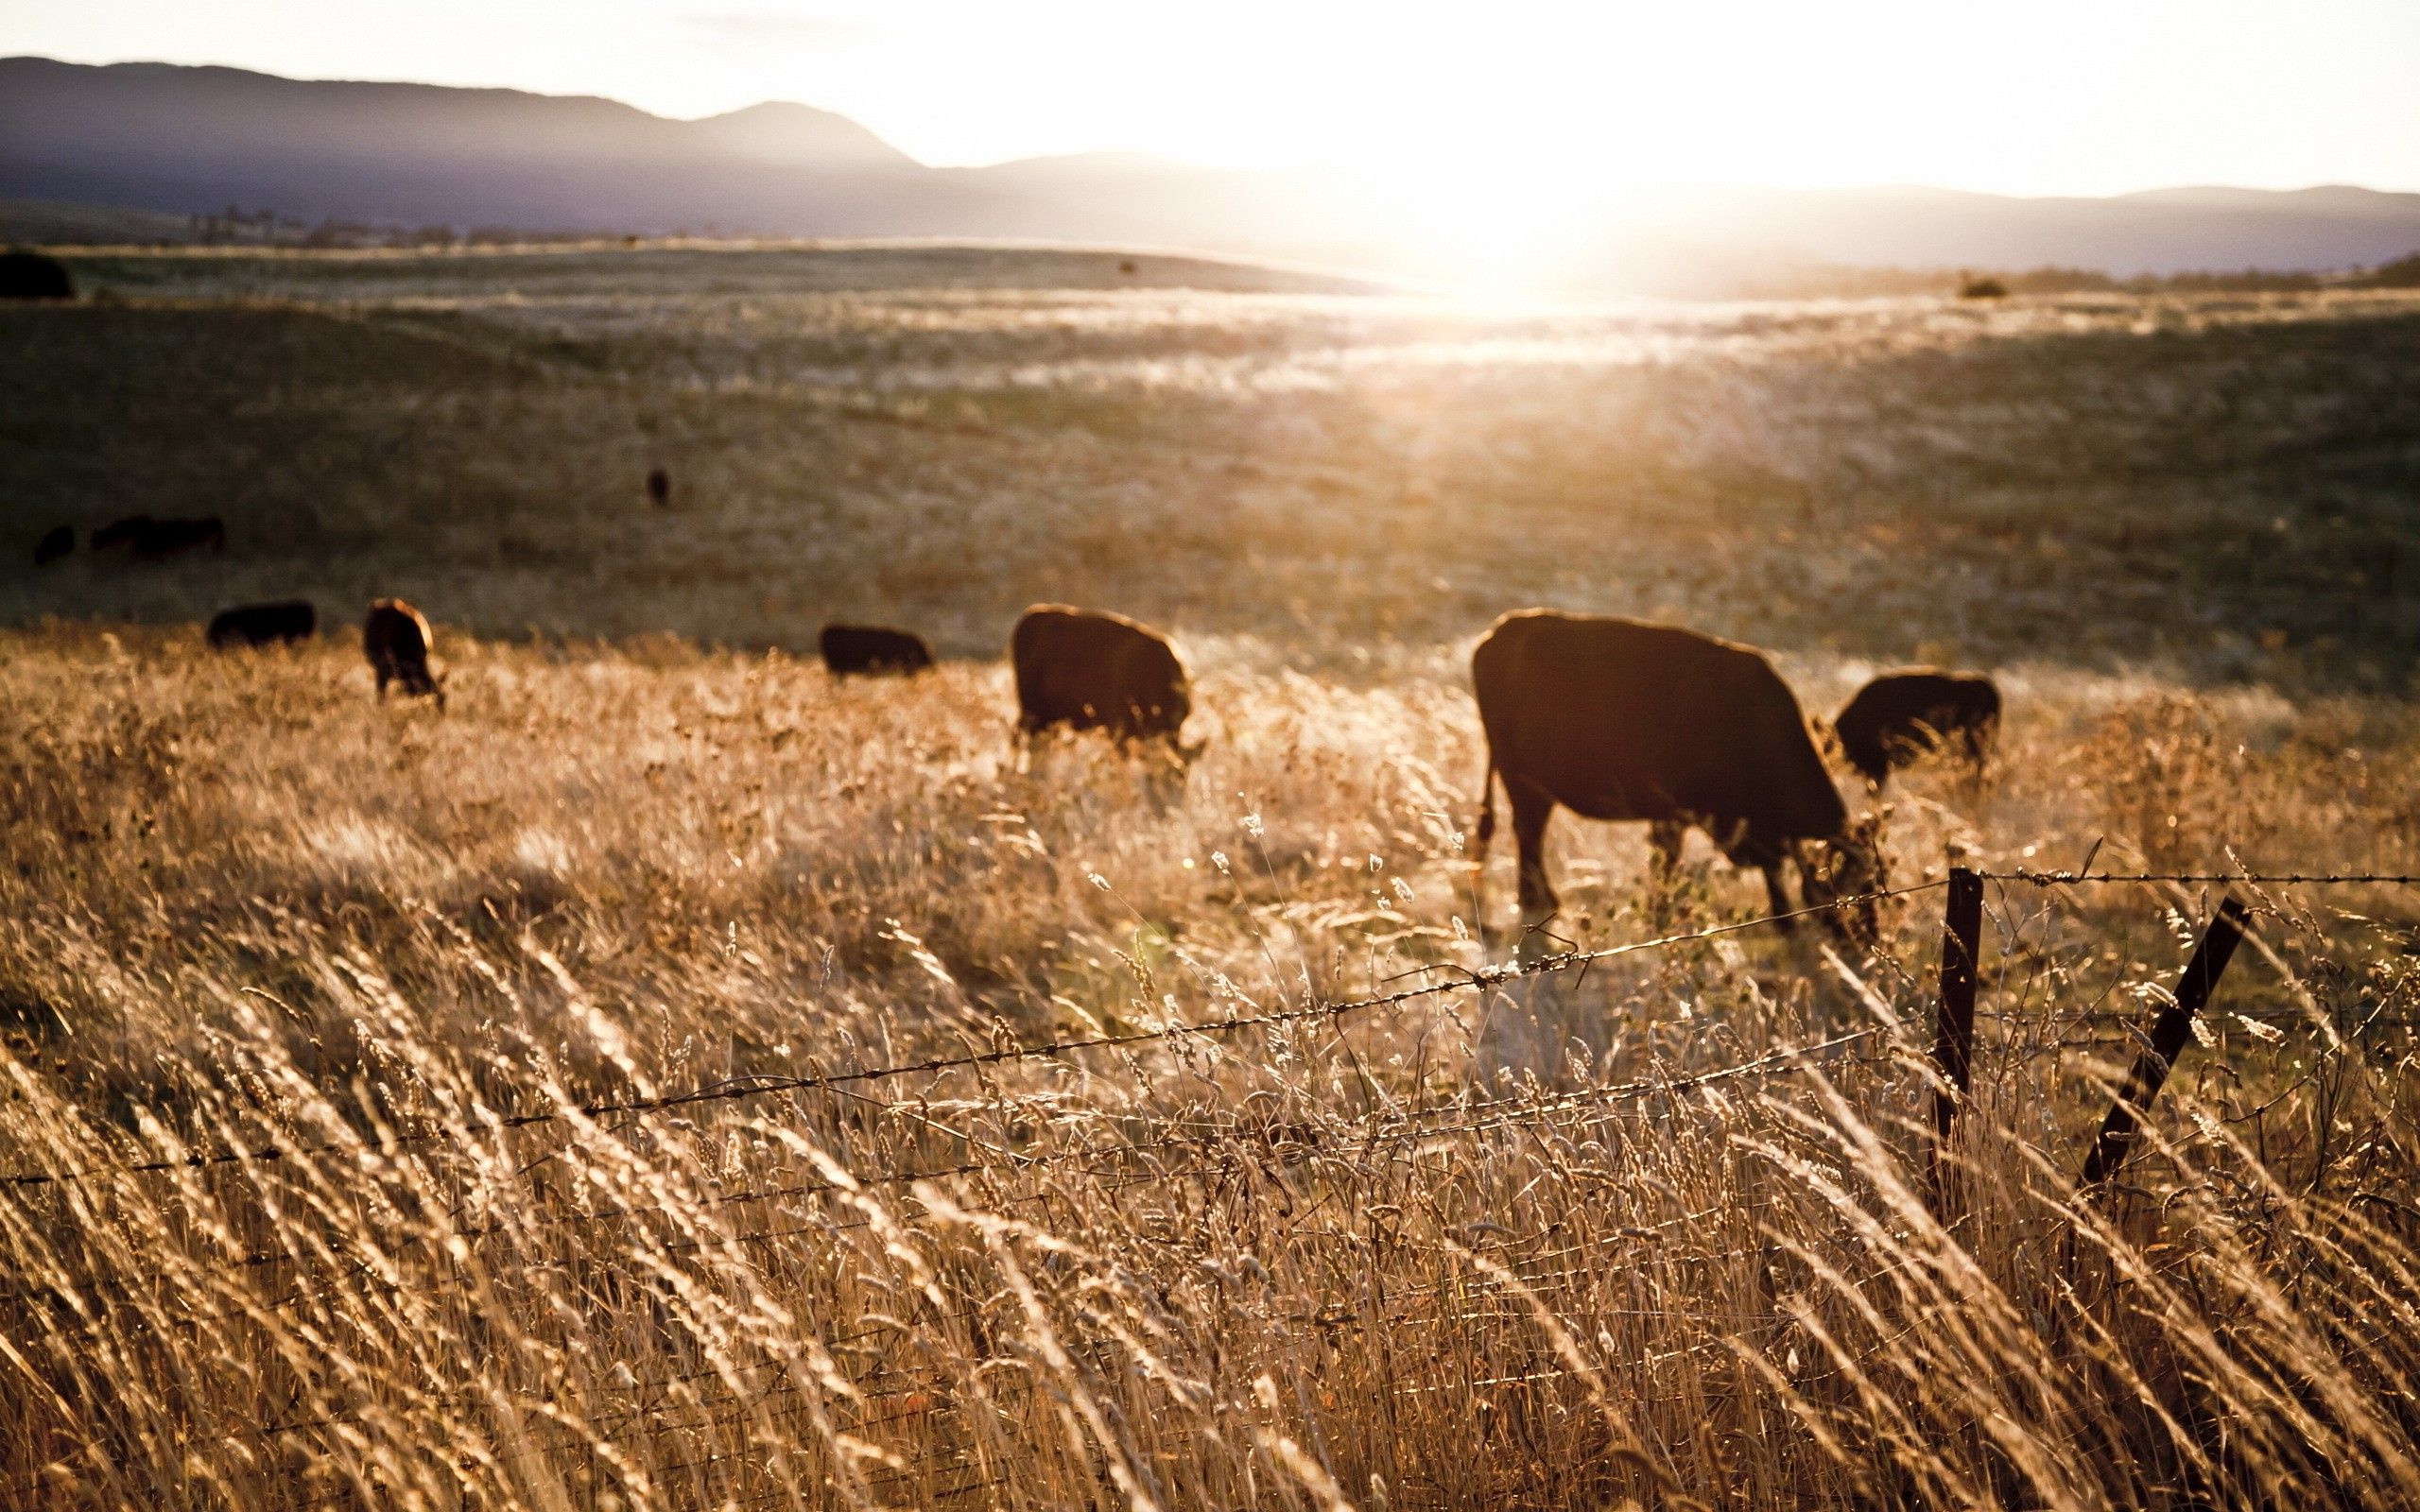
[1620, 719]
[1096, 670]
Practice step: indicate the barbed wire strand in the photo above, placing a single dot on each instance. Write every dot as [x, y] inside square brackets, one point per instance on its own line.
[764, 1086]
[1377, 1131]
[2065, 879]
[1473, 977]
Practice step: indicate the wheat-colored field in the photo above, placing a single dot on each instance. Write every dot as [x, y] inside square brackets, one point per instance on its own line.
[628, 1089]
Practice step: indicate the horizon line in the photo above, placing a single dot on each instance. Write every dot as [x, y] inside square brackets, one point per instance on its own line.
[1305, 166]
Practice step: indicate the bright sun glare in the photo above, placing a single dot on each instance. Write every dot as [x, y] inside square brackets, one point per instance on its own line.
[1497, 132]
[1490, 234]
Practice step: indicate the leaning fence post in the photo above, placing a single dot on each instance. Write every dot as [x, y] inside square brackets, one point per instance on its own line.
[1953, 1045]
[2169, 1034]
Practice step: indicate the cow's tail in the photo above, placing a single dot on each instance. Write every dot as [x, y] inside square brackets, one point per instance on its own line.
[1486, 829]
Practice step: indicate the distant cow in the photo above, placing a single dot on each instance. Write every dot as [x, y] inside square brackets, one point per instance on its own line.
[25, 275]
[865, 649]
[659, 488]
[121, 532]
[1616, 719]
[59, 541]
[1090, 670]
[288, 621]
[149, 539]
[397, 640]
[1901, 716]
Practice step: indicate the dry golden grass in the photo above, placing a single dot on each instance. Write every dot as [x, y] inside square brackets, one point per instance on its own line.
[1477, 1248]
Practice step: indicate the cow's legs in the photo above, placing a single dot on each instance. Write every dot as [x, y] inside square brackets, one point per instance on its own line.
[1664, 840]
[1664, 837]
[1777, 896]
[1978, 747]
[1531, 811]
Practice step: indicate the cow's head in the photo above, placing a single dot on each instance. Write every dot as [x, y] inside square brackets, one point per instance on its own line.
[1847, 870]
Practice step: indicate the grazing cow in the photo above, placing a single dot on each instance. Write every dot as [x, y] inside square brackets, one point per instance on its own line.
[288, 621]
[1616, 719]
[149, 539]
[1901, 716]
[1090, 670]
[659, 488]
[851, 650]
[59, 541]
[397, 640]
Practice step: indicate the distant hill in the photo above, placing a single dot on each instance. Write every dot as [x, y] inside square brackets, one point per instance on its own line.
[182, 141]
[153, 136]
[800, 136]
[2161, 231]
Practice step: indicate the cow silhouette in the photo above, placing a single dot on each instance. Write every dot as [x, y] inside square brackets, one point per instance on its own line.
[397, 640]
[1900, 716]
[1085, 669]
[146, 539]
[1617, 719]
[285, 621]
[862, 650]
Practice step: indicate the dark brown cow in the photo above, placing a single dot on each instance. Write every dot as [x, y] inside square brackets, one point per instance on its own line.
[121, 532]
[288, 621]
[1901, 716]
[149, 539]
[1090, 670]
[1616, 719]
[59, 540]
[659, 488]
[857, 651]
[396, 639]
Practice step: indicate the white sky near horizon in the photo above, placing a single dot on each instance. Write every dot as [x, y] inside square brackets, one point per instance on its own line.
[1489, 100]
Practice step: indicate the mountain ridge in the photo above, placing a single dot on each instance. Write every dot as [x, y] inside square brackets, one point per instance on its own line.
[182, 140]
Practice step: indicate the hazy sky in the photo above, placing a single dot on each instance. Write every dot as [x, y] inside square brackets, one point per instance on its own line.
[2025, 98]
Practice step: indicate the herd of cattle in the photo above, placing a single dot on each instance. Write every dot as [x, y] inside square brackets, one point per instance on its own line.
[1614, 719]
[140, 537]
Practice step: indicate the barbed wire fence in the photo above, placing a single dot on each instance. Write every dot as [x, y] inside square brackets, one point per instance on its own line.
[1190, 1150]
[1465, 978]
[743, 1088]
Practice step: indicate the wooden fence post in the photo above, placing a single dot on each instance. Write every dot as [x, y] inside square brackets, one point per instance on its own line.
[1953, 1045]
[2169, 1034]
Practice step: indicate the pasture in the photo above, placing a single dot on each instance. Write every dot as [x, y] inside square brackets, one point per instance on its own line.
[647, 1083]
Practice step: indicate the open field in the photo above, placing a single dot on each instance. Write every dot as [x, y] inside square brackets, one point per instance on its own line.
[1469, 1249]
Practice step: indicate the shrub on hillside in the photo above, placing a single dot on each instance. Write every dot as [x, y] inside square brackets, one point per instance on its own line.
[2403, 273]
